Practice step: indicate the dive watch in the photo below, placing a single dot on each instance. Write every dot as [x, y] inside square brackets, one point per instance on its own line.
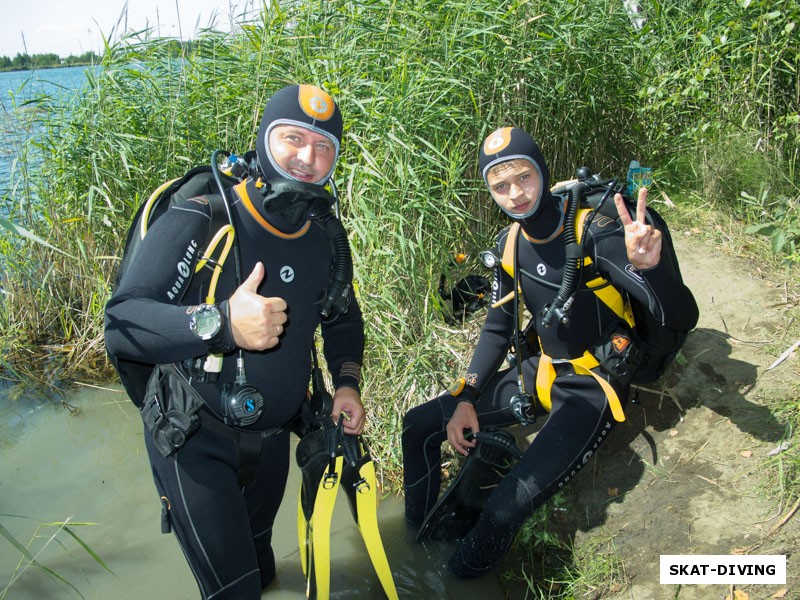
[457, 387]
[206, 322]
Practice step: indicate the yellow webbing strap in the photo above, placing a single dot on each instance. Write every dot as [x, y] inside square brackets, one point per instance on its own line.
[608, 294]
[508, 249]
[546, 374]
[366, 507]
[319, 562]
[507, 261]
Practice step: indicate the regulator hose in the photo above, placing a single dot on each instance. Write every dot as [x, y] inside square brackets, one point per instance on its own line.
[305, 201]
[557, 310]
[336, 300]
[216, 171]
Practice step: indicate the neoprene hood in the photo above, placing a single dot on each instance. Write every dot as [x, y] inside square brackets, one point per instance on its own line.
[305, 106]
[510, 143]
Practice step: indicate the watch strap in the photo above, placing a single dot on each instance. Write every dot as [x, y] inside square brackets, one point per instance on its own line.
[222, 342]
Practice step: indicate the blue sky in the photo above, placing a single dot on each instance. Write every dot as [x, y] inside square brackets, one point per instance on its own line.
[75, 26]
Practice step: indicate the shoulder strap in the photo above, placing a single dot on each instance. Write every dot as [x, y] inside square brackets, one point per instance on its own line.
[508, 249]
[580, 221]
[607, 293]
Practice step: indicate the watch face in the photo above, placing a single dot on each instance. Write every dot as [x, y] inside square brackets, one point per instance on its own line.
[206, 322]
[458, 386]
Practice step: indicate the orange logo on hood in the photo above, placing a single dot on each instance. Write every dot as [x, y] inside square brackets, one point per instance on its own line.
[620, 342]
[497, 141]
[315, 102]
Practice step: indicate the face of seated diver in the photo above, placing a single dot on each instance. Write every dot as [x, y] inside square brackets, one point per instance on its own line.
[516, 186]
[306, 155]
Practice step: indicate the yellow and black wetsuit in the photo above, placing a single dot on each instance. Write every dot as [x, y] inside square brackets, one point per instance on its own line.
[580, 417]
[225, 530]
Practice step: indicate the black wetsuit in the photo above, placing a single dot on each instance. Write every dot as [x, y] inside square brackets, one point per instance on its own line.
[225, 530]
[580, 418]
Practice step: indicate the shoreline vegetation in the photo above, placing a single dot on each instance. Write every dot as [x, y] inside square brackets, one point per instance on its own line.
[32, 62]
[705, 94]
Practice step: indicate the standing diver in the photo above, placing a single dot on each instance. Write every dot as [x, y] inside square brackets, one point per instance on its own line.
[249, 357]
[582, 400]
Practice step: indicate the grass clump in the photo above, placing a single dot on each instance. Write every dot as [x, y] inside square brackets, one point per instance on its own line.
[53, 534]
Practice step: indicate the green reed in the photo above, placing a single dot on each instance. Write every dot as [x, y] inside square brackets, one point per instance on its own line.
[420, 85]
[706, 93]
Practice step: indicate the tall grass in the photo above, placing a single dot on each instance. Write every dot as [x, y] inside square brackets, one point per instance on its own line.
[722, 100]
[707, 93]
[420, 85]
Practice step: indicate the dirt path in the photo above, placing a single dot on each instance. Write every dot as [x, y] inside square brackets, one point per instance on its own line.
[685, 475]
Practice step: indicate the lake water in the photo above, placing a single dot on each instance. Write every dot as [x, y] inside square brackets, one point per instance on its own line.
[18, 112]
[91, 466]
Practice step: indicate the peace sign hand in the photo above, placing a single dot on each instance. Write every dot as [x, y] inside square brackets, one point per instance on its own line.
[642, 241]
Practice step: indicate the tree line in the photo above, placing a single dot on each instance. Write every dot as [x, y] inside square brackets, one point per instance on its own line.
[25, 61]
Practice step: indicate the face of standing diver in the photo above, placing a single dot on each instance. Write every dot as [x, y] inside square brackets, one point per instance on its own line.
[300, 135]
[303, 154]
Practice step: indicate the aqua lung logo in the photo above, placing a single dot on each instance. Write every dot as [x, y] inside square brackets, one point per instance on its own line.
[587, 455]
[287, 274]
[184, 268]
[541, 269]
[495, 288]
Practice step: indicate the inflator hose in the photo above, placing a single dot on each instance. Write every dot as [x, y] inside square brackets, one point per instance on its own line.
[337, 297]
[574, 254]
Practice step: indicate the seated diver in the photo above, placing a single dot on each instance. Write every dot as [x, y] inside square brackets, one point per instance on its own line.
[580, 410]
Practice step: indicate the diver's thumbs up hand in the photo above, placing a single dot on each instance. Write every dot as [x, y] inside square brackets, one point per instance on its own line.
[256, 322]
[255, 278]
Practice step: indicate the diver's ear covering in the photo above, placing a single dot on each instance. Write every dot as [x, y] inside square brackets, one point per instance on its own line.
[306, 106]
